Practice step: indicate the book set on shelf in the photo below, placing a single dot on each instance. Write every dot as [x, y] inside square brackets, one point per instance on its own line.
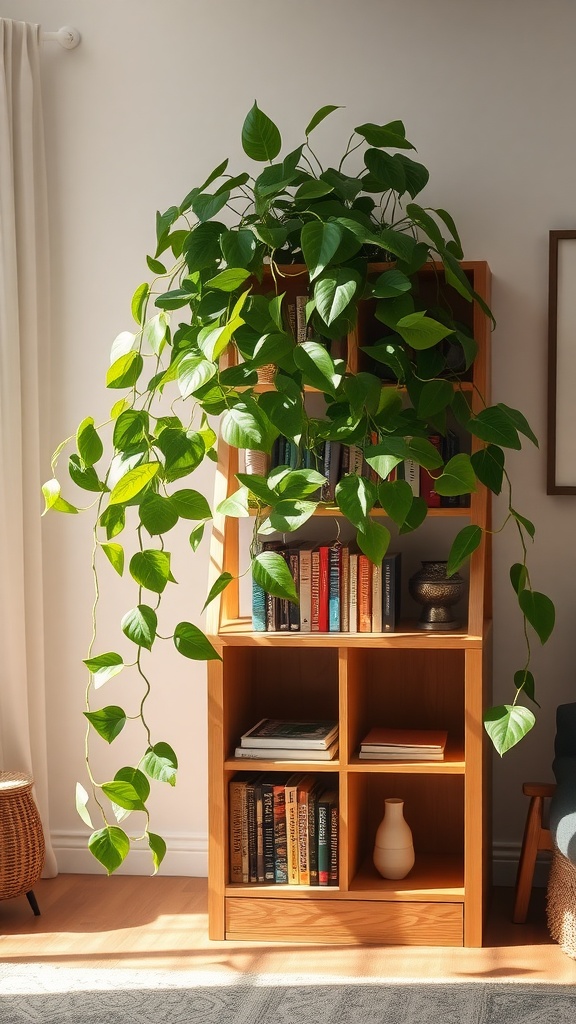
[340, 591]
[382, 744]
[283, 830]
[280, 740]
[335, 460]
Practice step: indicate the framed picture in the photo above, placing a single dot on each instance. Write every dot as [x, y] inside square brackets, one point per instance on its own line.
[561, 470]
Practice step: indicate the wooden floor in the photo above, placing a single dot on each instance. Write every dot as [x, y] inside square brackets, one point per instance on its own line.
[161, 922]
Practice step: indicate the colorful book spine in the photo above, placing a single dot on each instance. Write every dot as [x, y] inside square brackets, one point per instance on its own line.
[294, 609]
[305, 786]
[364, 594]
[345, 590]
[353, 605]
[252, 830]
[356, 460]
[323, 841]
[291, 798]
[301, 324]
[313, 833]
[258, 608]
[268, 830]
[259, 832]
[334, 829]
[315, 590]
[334, 584]
[280, 849]
[323, 551]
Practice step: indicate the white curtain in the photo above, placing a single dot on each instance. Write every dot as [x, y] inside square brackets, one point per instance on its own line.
[24, 318]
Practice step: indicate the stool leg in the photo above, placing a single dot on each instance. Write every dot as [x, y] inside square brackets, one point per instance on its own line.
[530, 846]
[33, 902]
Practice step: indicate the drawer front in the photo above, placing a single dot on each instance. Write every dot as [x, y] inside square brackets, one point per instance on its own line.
[345, 921]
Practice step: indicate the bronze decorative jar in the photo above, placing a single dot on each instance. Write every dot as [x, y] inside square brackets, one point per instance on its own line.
[437, 593]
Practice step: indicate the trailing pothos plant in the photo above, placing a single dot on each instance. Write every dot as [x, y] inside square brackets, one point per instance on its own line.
[219, 287]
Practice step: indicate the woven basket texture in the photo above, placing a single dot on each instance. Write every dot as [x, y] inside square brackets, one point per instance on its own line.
[21, 838]
[266, 374]
[561, 903]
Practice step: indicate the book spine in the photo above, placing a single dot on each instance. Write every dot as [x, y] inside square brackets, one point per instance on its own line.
[356, 460]
[272, 613]
[291, 316]
[303, 839]
[315, 591]
[353, 616]
[364, 594]
[334, 583]
[391, 587]
[427, 491]
[294, 609]
[280, 851]
[268, 830]
[411, 473]
[237, 809]
[325, 489]
[345, 590]
[376, 598]
[323, 589]
[255, 462]
[259, 833]
[313, 834]
[258, 608]
[323, 842]
[284, 603]
[334, 827]
[292, 833]
[334, 474]
[301, 324]
[305, 580]
[252, 839]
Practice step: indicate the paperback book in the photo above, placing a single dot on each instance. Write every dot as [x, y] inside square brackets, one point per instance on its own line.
[278, 733]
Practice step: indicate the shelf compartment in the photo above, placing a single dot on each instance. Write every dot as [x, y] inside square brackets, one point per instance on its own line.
[434, 810]
[400, 689]
[344, 921]
[434, 877]
[452, 764]
[263, 682]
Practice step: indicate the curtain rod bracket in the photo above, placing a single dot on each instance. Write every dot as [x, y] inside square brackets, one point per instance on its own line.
[67, 37]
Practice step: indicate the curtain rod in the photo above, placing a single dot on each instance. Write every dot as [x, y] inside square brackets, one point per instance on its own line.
[66, 36]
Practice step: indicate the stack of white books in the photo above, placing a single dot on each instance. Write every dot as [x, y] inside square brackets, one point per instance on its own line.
[275, 739]
[382, 744]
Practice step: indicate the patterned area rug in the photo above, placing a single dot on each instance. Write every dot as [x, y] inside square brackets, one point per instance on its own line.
[36, 994]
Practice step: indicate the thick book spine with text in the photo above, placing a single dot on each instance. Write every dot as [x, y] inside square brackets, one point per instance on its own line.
[251, 786]
[353, 603]
[315, 590]
[334, 584]
[345, 589]
[259, 832]
[326, 800]
[376, 598]
[294, 609]
[304, 788]
[237, 804]
[323, 551]
[334, 830]
[364, 594]
[313, 833]
[391, 590]
[280, 850]
[305, 579]
[291, 798]
[268, 830]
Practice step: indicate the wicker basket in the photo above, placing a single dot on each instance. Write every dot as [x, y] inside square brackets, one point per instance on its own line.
[21, 838]
[561, 903]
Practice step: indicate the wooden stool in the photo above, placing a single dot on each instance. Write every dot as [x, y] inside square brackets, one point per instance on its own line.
[536, 837]
[21, 838]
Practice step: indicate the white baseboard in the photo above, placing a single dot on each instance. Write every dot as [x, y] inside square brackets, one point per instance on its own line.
[505, 859]
[187, 854]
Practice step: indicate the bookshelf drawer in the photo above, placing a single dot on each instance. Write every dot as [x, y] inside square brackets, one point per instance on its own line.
[338, 920]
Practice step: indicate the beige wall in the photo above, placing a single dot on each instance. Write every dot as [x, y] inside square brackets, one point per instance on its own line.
[152, 99]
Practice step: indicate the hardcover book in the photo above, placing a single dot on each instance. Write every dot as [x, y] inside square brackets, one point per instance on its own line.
[291, 798]
[275, 732]
[305, 787]
[280, 851]
[353, 606]
[364, 594]
[345, 590]
[287, 753]
[326, 800]
[237, 815]
[391, 590]
[376, 598]
[323, 551]
[305, 576]
[334, 581]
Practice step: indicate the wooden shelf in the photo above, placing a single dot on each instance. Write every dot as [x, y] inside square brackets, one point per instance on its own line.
[406, 679]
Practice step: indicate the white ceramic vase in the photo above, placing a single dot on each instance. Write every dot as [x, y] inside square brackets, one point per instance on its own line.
[393, 847]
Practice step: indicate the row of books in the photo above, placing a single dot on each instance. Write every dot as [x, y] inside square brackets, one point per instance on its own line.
[283, 740]
[382, 744]
[335, 460]
[283, 830]
[340, 591]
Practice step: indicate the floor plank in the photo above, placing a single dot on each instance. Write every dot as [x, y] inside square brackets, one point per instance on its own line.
[161, 922]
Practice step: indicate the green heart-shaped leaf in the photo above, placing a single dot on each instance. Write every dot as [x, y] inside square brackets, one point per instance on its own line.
[160, 763]
[464, 543]
[192, 643]
[140, 624]
[506, 725]
[151, 569]
[108, 722]
[271, 572]
[540, 612]
[104, 666]
[110, 846]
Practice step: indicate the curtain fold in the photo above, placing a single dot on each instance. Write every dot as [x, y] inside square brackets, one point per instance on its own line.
[24, 320]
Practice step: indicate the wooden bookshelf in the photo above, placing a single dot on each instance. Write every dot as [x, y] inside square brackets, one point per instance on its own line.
[404, 679]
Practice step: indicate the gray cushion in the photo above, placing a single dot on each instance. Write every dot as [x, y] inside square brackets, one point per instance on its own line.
[563, 804]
